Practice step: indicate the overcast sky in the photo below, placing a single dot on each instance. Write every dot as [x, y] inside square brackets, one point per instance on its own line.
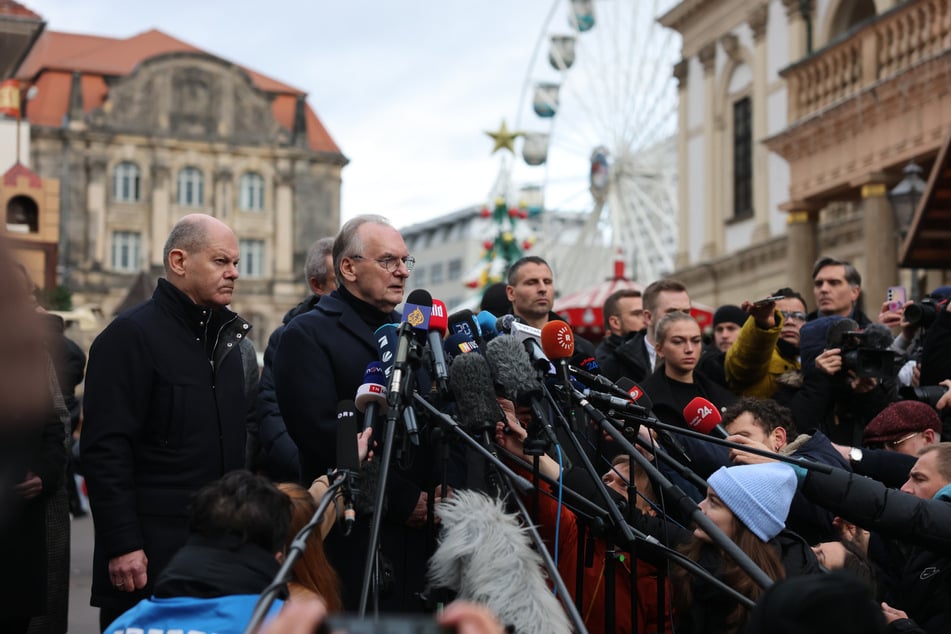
[406, 88]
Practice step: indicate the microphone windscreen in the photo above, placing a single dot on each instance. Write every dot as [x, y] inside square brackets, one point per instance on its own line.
[373, 388]
[839, 328]
[512, 367]
[463, 321]
[471, 384]
[348, 456]
[878, 336]
[503, 324]
[635, 391]
[439, 318]
[417, 311]
[387, 339]
[701, 415]
[459, 343]
[558, 342]
[486, 322]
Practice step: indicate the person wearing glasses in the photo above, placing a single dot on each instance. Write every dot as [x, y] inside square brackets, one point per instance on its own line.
[767, 347]
[320, 361]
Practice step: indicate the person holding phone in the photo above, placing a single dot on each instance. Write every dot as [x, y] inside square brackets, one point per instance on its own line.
[767, 347]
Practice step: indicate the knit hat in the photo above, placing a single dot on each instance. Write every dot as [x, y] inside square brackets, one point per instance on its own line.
[729, 313]
[758, 494]
[900, 419]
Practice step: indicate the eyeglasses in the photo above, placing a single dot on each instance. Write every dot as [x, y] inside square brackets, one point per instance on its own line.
[796, 315]
[895, 444]
[391, 263]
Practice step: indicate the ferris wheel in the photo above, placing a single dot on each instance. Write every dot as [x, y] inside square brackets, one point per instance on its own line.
[598, 117]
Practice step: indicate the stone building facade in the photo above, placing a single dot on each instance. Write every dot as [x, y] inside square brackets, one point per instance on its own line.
[796, 120]
[143, 130]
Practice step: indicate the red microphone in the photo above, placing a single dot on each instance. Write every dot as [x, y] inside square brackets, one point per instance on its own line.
[438, 325]
[558, 344]
[704, 417]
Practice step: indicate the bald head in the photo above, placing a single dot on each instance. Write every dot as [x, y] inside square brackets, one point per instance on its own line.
[201, 259]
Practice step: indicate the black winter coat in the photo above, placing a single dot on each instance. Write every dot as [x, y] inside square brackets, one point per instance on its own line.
[165, 410]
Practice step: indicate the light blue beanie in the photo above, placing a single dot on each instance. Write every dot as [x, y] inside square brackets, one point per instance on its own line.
[758, 494]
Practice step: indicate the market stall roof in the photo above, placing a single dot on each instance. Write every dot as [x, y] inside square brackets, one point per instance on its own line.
[926, 245]
[583, 309]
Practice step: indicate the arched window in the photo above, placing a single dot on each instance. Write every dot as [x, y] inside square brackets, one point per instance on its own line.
[251, 254]
[23, 215]
[848, 14]
[125, 182]
[252, 192]
[191, 187]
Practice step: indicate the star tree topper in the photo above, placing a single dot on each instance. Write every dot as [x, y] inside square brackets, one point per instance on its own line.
[503, 139]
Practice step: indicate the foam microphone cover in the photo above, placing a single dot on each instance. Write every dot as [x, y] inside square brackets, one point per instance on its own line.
[839, 328]
[512, 367]
[701, 415]
[878, 336]
[558, 342]
[348, 456]
[470, 382]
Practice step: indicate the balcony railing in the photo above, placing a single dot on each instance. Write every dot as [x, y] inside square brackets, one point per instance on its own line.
[888, 46]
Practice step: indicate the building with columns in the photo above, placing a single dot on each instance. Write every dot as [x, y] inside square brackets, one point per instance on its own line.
[797, 118]
[143, 130]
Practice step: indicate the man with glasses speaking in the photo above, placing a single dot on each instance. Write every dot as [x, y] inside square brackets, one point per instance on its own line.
[767, 346]
[321, 361]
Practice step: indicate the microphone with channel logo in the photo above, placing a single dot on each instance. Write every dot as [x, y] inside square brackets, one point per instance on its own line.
[371, 395]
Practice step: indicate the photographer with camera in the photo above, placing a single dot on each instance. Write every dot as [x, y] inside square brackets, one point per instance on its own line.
[847, 378]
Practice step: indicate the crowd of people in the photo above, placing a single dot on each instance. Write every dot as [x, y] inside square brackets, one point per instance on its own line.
[828, 455]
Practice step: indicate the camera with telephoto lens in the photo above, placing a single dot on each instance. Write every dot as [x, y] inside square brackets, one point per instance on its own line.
[863, 354]
[924, 312]
[929, 394]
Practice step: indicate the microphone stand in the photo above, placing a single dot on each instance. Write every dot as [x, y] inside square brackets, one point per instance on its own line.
[687, 505]
[583, 507]
[296, 549]
[512, 481]
[393, 415]
[652, 422]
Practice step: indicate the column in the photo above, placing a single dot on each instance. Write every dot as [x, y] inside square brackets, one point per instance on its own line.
[881, 241]
[223, 193]
[160, 226]
[757, 20]
[96, 209]
[681, 69]
[284, 224]
[798, 28]
[801, 244]
[713, 221]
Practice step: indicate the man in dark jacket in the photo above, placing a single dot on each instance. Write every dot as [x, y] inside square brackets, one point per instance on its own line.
[165, 410]
[321, 360]
[837, 286]
[279, 453]
[636, 357]
[919, 515]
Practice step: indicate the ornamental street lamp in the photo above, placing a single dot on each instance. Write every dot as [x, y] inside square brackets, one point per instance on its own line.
[904, 198]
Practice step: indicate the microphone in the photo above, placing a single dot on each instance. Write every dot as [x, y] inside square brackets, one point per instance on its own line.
[558, 344]
[457, 344]
[513, 372]
[387, 340]
[371, 395]
[703, 416]
[530, 336]
[635, 392]
[486, 322]
[463, 321]
[438, 323]
[348, 457]
[416, 315]
[470, 381]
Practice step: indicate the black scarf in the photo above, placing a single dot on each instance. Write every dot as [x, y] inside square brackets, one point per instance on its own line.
[371, 315]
